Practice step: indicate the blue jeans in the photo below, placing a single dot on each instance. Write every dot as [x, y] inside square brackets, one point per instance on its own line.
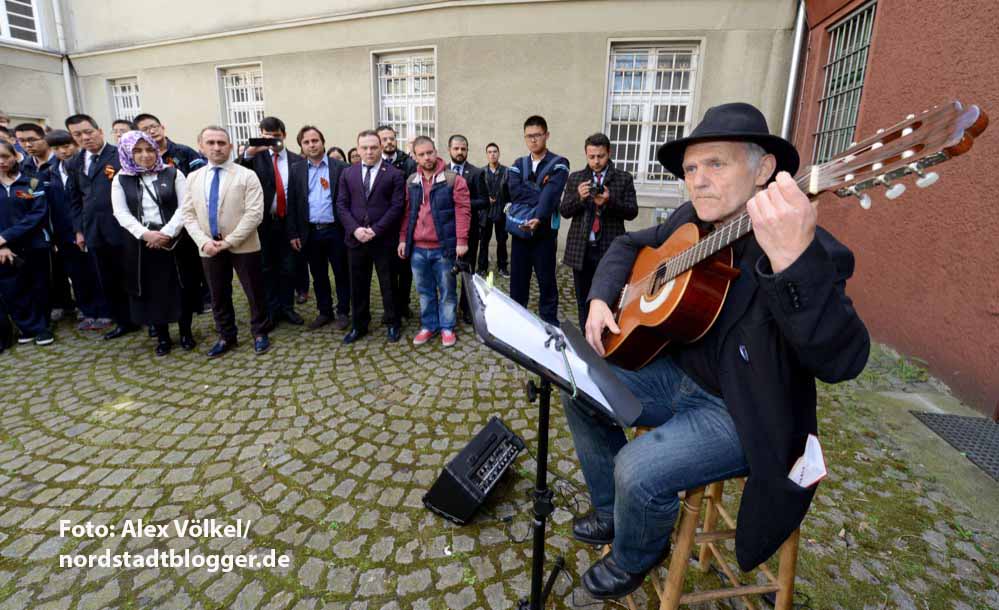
[693, 442]
[436, 286]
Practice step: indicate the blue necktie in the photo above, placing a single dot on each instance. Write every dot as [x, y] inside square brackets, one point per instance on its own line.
[213, 204]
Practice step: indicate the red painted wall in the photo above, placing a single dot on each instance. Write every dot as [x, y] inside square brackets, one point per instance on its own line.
[927, 278]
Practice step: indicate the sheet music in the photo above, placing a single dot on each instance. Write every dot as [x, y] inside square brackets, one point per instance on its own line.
[519, 328]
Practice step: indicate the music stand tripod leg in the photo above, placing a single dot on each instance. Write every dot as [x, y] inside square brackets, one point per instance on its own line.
[543, 506]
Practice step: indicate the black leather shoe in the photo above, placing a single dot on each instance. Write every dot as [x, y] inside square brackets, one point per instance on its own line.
[607, 580]
[152, 331]
[163, 347]
[292, 316]
[187, 342]
[394, 334]
[320, 321]
[117, 331]
[353, 335]
[342, 321]
[261, 344]
[221, 347]
[593, 529]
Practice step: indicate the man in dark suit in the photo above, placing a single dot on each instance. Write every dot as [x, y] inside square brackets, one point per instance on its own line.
[313, 229]
[272, 165]
[492, 220]
[457, 148]
[402, 273]
[741, 399]
[598, 199]
[370, 201]
[89, 185]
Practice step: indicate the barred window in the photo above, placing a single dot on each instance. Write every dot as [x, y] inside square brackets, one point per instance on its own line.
[125, 94]
[243, 96]
[849, 42]
[649, 97]
[18, 22]
[407, 95]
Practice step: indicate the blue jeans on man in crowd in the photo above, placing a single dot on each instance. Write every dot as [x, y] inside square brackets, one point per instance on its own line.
[437, 288]
[693, 442]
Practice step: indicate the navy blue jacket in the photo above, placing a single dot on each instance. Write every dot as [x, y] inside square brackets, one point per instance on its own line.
[23, 211]
[539, 198]
[60, 208]
[380, 210]
[184, 158]
[90, 198]
[441, 210]
[779, 333]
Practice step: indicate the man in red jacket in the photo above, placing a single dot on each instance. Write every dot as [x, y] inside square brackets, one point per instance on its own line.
[434, 233]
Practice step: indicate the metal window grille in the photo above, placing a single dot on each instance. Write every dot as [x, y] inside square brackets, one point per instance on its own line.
[17, 21]
[849, 41]
[407, 96]
[125, 93]
[243, 93]
[649, 96]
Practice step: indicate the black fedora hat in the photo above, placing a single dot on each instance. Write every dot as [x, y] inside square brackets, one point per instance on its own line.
[735, 121]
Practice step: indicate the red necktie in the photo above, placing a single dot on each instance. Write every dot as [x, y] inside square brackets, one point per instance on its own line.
[281, 202]
[596, 217]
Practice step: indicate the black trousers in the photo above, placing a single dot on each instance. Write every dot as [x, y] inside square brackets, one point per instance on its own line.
[280, 265]
[469, 259]
[499, 228]
[583, 279]
[218, 272]
[24, 291]
[377, 253]
[60, 296]
[111, 273]
[402, 283]
[535, 255]
[82, 270]
[325, 248]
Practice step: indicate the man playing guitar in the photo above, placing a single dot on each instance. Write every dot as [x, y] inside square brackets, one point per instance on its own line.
[741, 398]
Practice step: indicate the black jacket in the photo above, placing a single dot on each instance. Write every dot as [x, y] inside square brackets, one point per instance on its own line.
[497, 188]
[184, 158]
[297, 225]
[794, 327]
[263, 166]
[90, 198]
[622, 205]
[404, 163]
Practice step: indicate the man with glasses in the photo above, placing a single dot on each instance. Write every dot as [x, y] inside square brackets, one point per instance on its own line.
[536, 181]
[184, 158]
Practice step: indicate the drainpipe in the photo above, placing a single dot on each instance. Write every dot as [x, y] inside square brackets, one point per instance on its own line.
[67, 70]
[792, 77]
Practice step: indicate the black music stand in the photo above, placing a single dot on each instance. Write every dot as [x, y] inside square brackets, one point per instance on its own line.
[624, 411]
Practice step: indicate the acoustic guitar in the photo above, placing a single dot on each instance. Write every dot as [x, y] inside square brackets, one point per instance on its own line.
[676, 291]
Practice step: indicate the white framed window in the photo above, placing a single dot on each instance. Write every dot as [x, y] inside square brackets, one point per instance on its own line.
[406, 85]
[125, 96]
[243, 98]
[650, 90]
[18, 21]
[849, 42]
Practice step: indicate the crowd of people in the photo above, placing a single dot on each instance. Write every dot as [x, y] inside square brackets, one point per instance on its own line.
[147, 232]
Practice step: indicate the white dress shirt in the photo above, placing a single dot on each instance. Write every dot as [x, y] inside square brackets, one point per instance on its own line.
[374, 173]
[89, 157]
[283, 168]
[150, 209]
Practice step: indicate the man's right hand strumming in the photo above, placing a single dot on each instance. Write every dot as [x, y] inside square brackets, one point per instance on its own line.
[600, 317]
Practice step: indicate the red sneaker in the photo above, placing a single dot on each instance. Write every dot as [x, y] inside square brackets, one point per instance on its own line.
[422, 337]
[448, 338]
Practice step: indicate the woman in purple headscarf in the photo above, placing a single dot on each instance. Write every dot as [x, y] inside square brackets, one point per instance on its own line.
[162, 283]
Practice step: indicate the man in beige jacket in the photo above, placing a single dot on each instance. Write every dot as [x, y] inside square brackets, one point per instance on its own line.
[222, 207]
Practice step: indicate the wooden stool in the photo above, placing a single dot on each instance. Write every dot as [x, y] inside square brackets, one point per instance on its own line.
[670, 589]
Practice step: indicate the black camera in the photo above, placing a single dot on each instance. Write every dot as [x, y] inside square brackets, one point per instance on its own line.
[596, 187]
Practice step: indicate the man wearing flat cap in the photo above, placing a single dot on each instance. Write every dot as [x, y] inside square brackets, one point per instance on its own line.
[741, 399]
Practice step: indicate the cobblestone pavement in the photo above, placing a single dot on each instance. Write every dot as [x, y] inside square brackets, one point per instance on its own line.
[329, 449]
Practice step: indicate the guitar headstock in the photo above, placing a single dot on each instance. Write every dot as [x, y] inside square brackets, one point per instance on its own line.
[907, 148]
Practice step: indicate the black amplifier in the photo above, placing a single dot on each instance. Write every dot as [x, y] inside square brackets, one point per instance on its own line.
[467, 479]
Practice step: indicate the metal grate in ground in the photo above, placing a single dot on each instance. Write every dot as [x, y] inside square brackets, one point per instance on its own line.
[975, 437]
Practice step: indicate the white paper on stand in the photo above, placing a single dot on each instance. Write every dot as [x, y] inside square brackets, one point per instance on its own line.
[512, 324]
[811, 466]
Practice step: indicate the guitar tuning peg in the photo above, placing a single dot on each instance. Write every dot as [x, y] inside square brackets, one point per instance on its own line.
[894, 190]
[926, 179]
[865, 199]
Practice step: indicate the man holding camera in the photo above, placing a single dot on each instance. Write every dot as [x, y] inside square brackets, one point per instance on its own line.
[598, 199]
[271, 161]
